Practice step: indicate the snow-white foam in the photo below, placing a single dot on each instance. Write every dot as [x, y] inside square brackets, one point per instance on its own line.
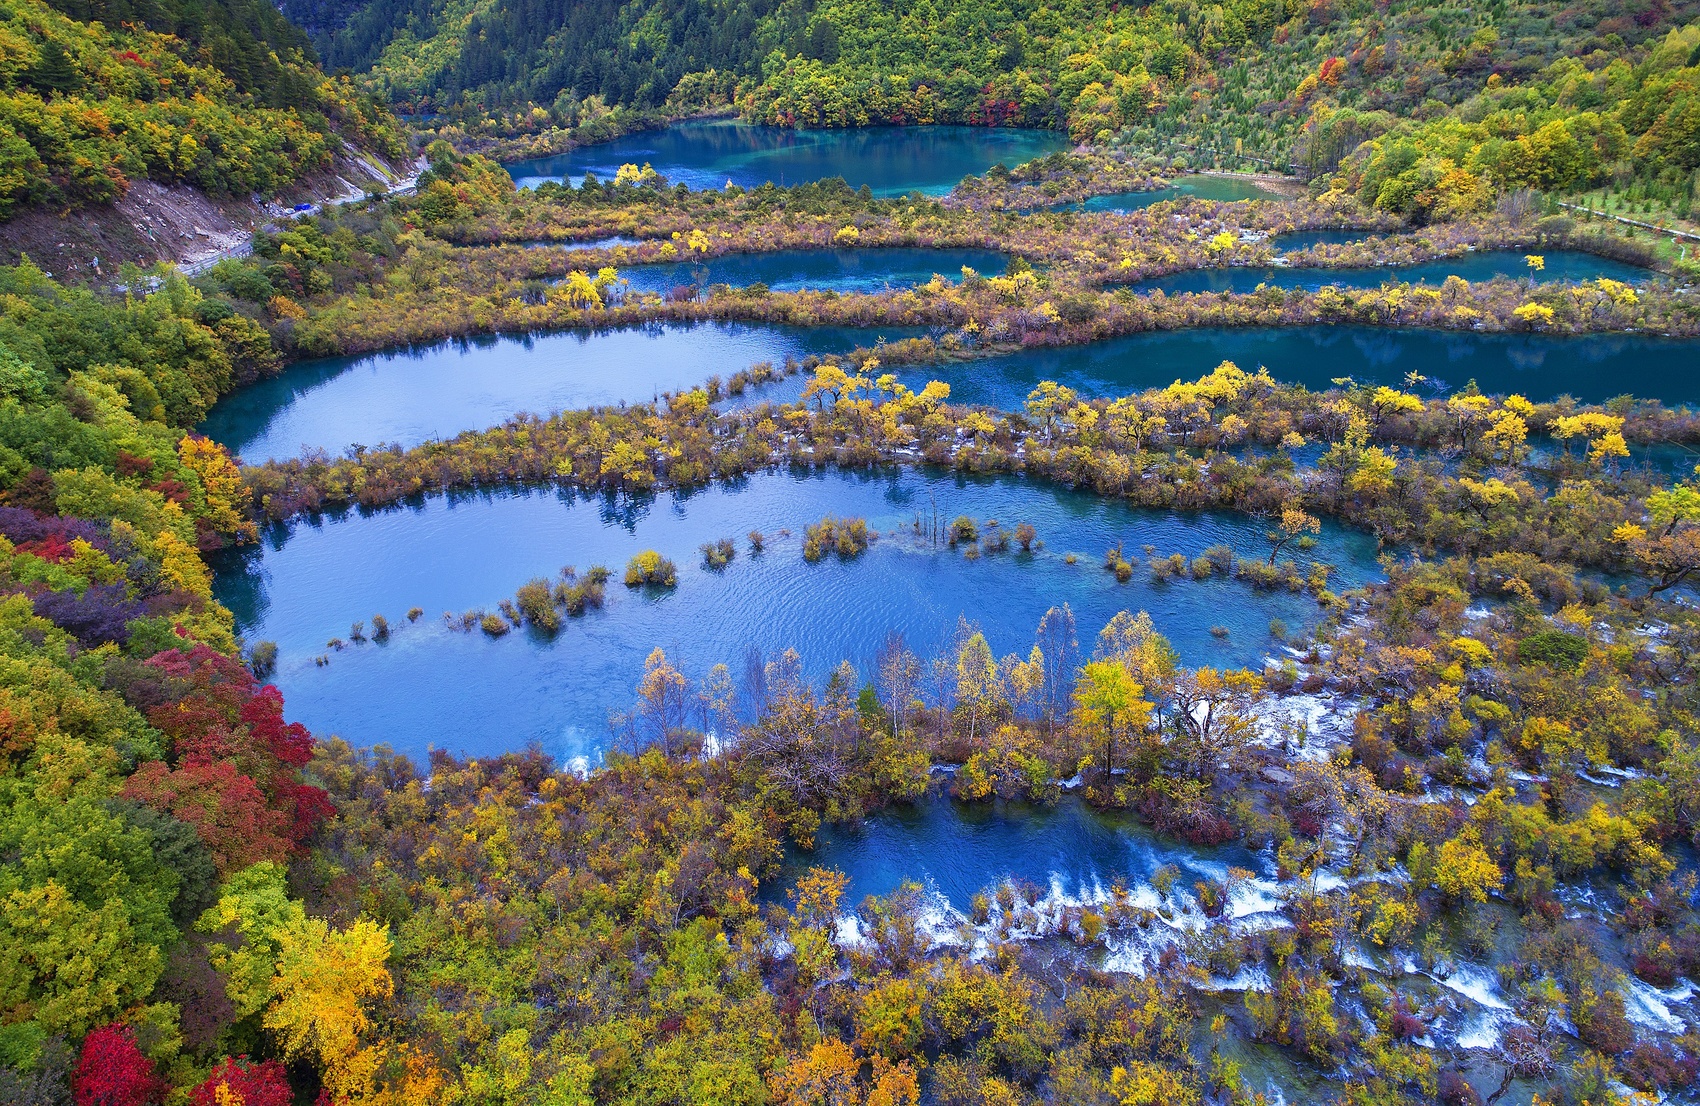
[1251, 977]
[1356, 957]
[1475, 984]
[1482, 1031]
[1648, 1006]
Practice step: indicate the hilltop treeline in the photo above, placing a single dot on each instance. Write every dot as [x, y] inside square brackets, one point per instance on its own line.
[1462, 103]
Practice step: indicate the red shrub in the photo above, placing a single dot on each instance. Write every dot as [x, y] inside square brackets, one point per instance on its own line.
[53, 548]
[1307, 822]
[308, 807]
[1407, 1025]
[1655, 968]
[233, 743]
[171, 488]
[113, 1072]
[1654, 1067]
[249, 1084]
[128, 463]
[1454, 1090]
[1214, 830]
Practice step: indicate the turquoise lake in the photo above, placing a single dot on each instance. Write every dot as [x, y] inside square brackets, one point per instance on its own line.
[955, 850]
[414, 395]
[889, 160]
[1564, 266]
[1590, 368]
[466, 692]
[1191, 187]
[843, 271]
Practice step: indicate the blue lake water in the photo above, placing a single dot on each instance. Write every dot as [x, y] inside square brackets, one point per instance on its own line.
[430, 685]
[413, 395]
[1191, 187]
[1566, 266]
[869, 270]
[1591, 368]
[957, 850]
[889, 160]
[605, 243]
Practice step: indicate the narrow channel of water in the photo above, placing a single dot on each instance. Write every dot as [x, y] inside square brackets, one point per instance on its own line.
[411, 396]
[1564, 266]
[844, 271]
[430, 684]
[889, 160]
[1192, 187]
[1591, 368]
[1068, 851]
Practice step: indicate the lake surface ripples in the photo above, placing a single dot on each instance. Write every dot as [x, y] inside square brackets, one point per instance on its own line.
[468, 692]
[414, 395]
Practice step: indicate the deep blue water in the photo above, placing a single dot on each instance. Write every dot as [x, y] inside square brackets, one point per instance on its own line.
[869, 270]
[889, 160]
[1565, 265]
[413, 395]
[1590, 368]
[433, 686]
[1193, 187]
[959, 849]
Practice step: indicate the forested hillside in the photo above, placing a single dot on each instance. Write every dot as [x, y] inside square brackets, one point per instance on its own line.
[1465, 102]
[223, 95]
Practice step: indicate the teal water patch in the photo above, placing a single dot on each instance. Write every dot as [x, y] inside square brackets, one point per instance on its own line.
[430, 685]
[1567, 266]
[891, 161]
[608, 242]
[1066, 851]
[1592, 368]
[1195, 187]
[415, 395]
[844, 271]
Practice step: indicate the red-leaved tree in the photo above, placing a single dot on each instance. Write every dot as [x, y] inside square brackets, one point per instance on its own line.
[230, 738]
[111, 1071]
[211, 689]
[233, 818]
[289, 742]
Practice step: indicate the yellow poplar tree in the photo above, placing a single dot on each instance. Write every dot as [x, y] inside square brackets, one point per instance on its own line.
[324, 978]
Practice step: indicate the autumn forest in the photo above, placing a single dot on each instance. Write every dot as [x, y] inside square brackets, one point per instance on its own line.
[836, 554]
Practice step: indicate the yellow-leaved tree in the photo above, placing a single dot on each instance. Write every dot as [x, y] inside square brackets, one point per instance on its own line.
[1465, 870]
[221, 486]
[324, 979]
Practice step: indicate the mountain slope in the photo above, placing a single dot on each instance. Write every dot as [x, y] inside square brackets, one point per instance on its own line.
[437, 54]
[1089, 64]
[226, 98]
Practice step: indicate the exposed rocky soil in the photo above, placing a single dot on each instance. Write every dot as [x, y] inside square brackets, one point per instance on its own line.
[175, 223]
